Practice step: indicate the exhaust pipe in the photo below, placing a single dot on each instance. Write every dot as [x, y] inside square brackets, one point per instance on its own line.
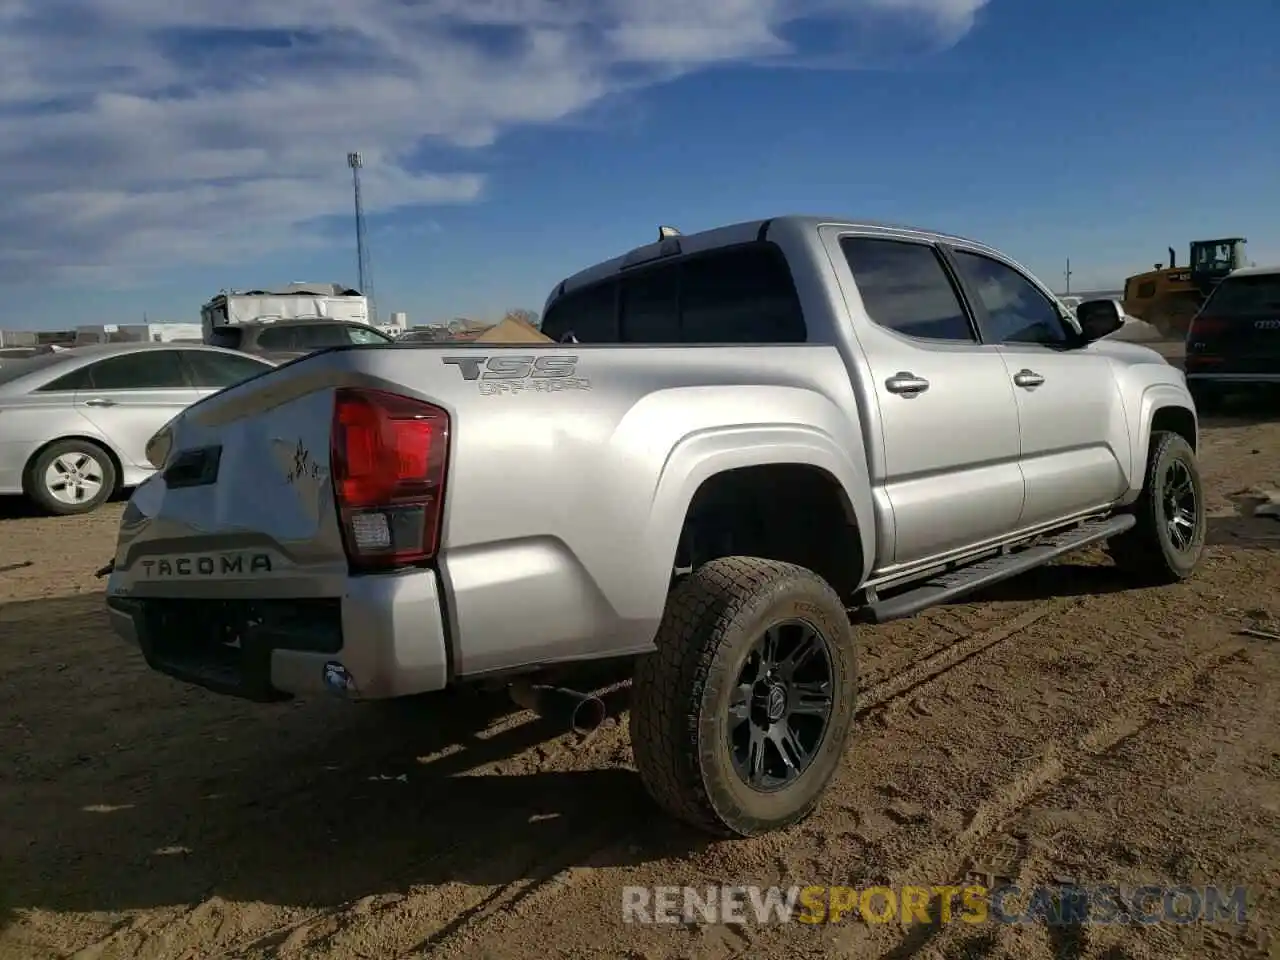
[582, 713]
[1172, 258]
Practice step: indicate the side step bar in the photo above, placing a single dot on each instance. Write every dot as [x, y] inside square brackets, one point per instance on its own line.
[962, 580]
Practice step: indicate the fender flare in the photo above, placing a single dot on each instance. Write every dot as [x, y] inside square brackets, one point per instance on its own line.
[1156, 397]
[703, 454]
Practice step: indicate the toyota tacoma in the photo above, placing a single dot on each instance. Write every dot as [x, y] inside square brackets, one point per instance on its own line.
[733, 448]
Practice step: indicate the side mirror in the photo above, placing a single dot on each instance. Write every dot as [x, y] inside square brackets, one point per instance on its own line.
[1097, 318]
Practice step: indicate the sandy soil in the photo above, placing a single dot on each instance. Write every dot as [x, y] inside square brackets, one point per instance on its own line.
[1059, 726]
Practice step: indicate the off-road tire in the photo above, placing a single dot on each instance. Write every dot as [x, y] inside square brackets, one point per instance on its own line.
[36, 490]
[681, 693]
[1146, 552]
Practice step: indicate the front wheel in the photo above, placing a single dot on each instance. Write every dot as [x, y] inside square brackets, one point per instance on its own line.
[1166, 543]
[739, 719]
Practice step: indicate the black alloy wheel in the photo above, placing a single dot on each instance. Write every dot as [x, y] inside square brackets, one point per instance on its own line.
[779, 713]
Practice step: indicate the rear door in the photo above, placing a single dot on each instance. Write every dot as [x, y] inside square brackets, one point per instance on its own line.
[132, 395]
[950, 420]
[1238, 330]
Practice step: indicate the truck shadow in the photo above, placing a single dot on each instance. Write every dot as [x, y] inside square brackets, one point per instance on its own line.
[14, 507]
[1242, 409]
[1069, 578]
[1062, 579]
[129, 790]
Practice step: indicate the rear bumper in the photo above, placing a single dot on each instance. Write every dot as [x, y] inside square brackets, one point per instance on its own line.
[386, 633]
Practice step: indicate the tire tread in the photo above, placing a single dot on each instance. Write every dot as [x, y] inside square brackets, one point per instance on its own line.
[669, 683]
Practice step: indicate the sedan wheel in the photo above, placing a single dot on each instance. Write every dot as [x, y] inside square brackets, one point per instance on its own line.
[70, 477]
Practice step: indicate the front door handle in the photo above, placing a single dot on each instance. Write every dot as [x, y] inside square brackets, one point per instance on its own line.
[906, 383]
[99, 402]
[1027, 378]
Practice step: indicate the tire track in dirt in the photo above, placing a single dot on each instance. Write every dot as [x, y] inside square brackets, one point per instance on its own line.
[956, 857]
[1202, 701]
[1107, 655]
[916, 677]
[559, 873]
[425, 914]
[437, 919]
[908, 680]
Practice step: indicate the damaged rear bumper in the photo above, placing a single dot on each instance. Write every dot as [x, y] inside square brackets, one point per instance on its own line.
[383, 637]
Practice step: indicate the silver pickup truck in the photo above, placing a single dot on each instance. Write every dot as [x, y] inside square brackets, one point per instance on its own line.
[736, 446]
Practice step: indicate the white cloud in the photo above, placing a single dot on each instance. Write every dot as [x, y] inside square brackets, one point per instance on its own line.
[145, 133]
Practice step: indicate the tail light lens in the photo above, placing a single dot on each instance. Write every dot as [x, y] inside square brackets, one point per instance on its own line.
[1206, 326]
[388, 457]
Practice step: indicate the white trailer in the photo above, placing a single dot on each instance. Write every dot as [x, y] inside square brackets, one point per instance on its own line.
[297, 301]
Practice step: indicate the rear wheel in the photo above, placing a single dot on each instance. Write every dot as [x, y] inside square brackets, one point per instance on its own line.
[70, 477]
[739, 719]
[1166, 543]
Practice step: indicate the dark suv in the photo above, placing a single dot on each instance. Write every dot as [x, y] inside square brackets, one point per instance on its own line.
[286, 339]
[1234, 341]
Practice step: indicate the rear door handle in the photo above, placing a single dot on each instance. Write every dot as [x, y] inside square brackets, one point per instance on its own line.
[1027, 378]
[906, 383]
[99, 402]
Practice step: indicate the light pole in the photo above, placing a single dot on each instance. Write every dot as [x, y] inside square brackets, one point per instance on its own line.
[355, 161]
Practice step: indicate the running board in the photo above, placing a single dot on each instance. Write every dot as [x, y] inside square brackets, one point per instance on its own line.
[956, 583]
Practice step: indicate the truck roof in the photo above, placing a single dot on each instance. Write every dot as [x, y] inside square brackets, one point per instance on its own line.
[742, 232]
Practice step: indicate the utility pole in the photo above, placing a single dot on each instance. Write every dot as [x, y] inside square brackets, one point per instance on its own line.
[355, 161]
[1068, 277]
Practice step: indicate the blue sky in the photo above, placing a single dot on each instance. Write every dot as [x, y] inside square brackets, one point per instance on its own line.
[150, 154]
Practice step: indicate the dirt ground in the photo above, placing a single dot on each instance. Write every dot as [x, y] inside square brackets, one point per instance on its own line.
[1060, 726]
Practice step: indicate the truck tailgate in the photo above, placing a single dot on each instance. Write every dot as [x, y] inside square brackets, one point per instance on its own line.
[245, 496]
[230, 569]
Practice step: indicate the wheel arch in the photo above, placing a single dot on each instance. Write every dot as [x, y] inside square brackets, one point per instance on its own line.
[742, 466]
[1164, 406]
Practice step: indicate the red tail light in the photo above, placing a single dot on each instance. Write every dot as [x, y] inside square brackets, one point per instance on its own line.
[388, 456]
[1206, 326]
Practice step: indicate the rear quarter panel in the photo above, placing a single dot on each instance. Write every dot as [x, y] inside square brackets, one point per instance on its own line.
[565, 502]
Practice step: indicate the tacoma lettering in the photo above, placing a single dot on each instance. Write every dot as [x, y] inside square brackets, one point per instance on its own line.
[207, 566]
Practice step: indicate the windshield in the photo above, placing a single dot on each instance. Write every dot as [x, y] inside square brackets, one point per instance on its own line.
[11, 370]
[1213, 256]
[1246, 295]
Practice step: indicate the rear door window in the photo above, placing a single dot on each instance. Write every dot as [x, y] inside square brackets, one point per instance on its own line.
[219, 370]
[740, 294]
[649, 304]
[142, 370]
[905, 288]
[588, 315]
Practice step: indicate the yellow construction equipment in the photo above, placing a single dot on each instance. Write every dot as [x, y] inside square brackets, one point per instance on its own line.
[1168, 297]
